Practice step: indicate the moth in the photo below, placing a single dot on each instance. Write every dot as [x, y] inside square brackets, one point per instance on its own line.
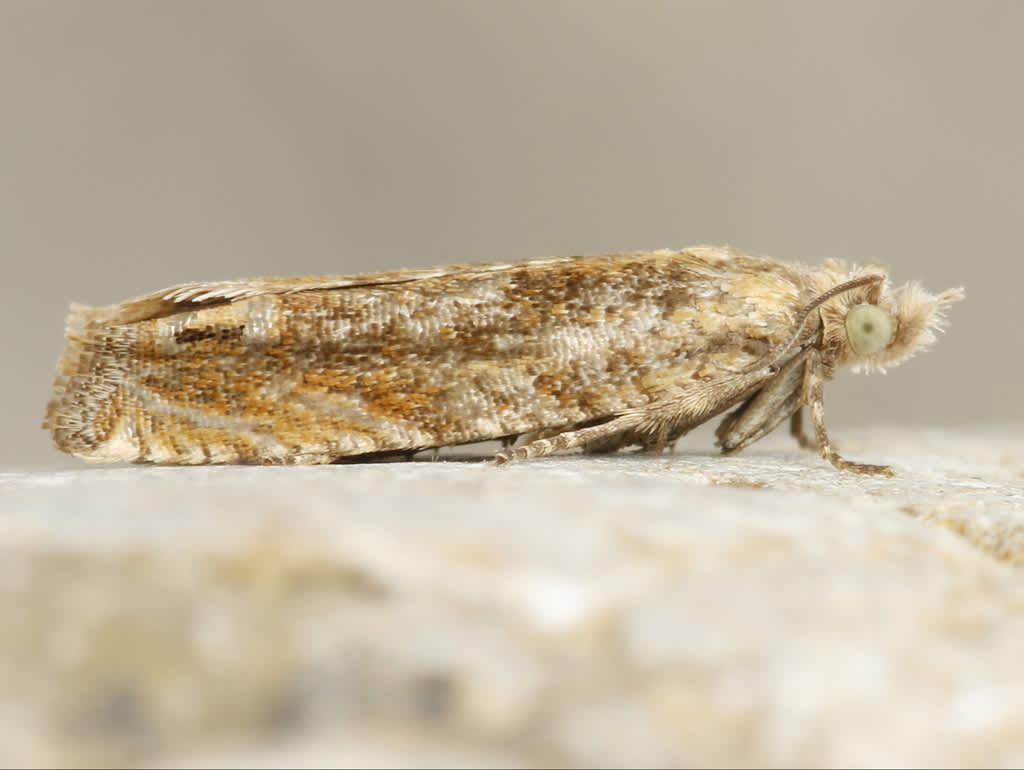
[594, 352]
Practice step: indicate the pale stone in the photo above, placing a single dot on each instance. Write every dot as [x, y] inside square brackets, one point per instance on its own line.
[686, 609]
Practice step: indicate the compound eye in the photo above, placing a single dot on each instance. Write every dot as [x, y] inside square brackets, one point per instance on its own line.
[869, 329]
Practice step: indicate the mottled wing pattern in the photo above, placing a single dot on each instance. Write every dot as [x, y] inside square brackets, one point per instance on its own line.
[310, 370]
[197, 295]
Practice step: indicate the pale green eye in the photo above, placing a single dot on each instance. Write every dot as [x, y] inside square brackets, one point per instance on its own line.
[869, 329]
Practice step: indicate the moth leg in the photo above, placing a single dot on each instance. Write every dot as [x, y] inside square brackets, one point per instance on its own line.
[761, 413]
[657, 441]
[653, 430]
[654, 426]
[796, 430]
[533, 435]
[601, 435]
[814, 397]
[607, 444]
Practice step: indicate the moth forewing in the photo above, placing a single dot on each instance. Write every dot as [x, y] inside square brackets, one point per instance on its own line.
[597, 352]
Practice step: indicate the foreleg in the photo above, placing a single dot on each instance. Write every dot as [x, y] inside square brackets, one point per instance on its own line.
[796, 430]
[813, 395]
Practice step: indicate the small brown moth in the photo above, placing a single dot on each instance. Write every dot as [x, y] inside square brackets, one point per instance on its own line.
[598, 352]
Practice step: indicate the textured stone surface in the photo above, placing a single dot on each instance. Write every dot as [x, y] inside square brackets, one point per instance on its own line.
[677, 610]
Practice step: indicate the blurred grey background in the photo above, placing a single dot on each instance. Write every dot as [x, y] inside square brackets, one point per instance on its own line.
[144, 144]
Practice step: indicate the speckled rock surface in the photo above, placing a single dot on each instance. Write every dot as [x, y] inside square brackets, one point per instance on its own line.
[677, 610]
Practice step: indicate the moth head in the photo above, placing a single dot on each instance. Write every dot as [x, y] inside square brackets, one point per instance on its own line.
[877, 326]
